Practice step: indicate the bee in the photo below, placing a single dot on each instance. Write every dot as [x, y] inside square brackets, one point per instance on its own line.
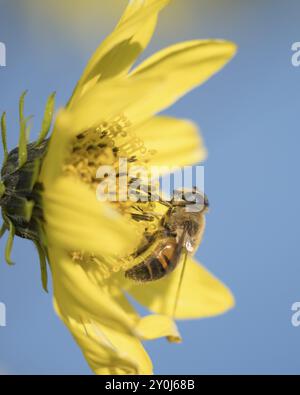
[180, 231]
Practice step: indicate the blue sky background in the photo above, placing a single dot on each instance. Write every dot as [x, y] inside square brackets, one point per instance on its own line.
[249, 117]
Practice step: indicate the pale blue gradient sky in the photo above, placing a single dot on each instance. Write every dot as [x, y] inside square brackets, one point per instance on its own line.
[249, 118]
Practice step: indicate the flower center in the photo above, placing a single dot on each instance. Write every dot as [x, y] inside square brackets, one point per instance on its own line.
[106, 145]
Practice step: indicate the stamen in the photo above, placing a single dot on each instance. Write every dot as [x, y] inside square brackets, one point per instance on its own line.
[116, 141]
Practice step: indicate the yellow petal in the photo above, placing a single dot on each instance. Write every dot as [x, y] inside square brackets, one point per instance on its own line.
[108, 100]
[106, 350]
[77, 293]
[149, 327]
[118, 52]
[75, 220]
[154, 86]
[201, 294]
[101, 320]
[176, 142]
[59, 148]
[156, 326]
[178, 69]
[99, 324]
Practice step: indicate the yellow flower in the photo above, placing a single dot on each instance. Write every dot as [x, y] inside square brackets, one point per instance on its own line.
[48, 192]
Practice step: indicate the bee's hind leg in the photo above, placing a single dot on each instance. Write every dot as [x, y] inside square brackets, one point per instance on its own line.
[150, 240]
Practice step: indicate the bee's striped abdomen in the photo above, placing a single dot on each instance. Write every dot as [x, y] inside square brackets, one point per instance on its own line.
[161, 262]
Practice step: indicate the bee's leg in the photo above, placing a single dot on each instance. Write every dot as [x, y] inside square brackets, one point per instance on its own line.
[165, 203]
[168, 232]
[154, 197]
[150, 240]
[143, 217]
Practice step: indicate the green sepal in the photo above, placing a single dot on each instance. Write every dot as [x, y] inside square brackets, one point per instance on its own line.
[2, 188]
[41, 233]
[47, 120]
[3, 134]
[23, 140]
[24, 131]
[21, 207]
[30, 174]
[43, 266]
[3, 229]
[9, 243]
[28, 208]
[21, 106]
[35, 172]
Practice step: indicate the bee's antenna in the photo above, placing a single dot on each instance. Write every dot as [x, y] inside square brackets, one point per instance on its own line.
[180, 283]
[3, 134]
[47, 120]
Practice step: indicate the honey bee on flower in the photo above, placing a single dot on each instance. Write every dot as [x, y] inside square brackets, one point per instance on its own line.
[98, 251]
